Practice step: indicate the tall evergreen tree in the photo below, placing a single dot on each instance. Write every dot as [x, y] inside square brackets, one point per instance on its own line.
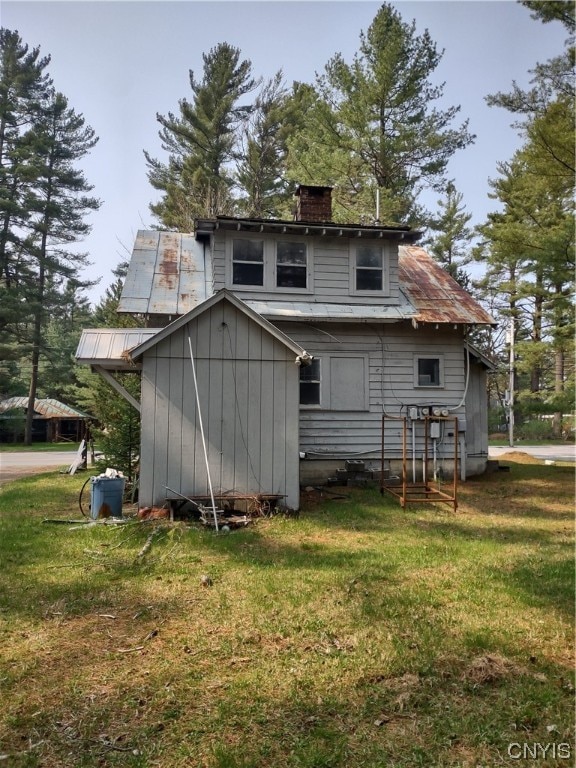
[57, 206]
[451, 238]
[260, 169]
[376, 126]
[23, 87]
[202, 141]
[533, 236]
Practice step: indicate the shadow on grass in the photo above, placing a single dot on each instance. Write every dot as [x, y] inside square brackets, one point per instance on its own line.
[543, 584]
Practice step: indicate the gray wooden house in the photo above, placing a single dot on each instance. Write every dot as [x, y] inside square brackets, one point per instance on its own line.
[303, 334]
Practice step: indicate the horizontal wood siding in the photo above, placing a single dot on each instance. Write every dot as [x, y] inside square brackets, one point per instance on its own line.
[248, 384]
[390, 350]
[219, 260]
[331, 272]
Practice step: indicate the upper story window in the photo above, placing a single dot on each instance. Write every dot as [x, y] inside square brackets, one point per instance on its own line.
[291, 265]
[369, 268]
[248, 262]
[270, 264]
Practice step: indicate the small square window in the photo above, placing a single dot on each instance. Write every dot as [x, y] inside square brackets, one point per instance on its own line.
[248, 262]
[429, 372]
[291, 265]
[310, 383]
[369, 271]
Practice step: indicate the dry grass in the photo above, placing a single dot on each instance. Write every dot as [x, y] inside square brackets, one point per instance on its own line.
[356, 634]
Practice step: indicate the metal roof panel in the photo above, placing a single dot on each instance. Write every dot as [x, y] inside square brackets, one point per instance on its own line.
[107, 347]
[435, 295]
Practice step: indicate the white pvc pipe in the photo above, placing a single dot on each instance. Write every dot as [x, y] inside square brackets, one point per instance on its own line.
[202, 434]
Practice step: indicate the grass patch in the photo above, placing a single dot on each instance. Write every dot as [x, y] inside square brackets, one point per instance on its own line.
[38, 447]
[354, 635]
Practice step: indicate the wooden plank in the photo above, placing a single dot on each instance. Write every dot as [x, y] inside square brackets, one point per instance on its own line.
[147, 432]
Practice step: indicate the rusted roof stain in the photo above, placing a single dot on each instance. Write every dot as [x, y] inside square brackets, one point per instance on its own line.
[436, 296]
[170, 274]
[166, 274]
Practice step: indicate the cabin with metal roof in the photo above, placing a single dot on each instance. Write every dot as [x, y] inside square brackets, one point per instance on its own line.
[52, 421]
[384, 331]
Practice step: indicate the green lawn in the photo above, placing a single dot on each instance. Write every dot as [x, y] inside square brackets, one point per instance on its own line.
[38, 447]
[356, 634]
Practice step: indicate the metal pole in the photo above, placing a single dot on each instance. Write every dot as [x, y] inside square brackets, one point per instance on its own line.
[202, 434]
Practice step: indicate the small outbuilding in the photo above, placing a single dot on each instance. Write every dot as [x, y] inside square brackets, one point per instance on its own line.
[53, 421]
[223, 376]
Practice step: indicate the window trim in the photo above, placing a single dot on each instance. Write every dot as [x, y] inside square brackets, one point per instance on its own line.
[384, 251]
[441, 383]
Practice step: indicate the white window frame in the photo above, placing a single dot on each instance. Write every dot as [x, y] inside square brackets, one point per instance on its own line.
[417, 383]
[269, 264]
[384, 251]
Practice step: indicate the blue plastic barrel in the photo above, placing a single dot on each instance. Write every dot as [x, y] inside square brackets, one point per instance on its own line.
[106, 495]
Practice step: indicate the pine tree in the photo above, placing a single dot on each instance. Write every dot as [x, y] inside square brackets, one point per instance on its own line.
[451, 245]
[261, 164]
[57, 206]
[202, 142]
[23, 86]
[534, 234]
[375, 125]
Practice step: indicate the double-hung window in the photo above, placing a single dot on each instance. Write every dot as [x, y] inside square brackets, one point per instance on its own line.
[248, 262]
[310, 383]
[291, 264]
[271, 265]
[369, 268]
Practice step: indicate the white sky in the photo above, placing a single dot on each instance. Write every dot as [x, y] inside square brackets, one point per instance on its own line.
[120, 63]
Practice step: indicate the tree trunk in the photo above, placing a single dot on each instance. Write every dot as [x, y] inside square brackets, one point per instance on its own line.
[36, 344]
[559, 361]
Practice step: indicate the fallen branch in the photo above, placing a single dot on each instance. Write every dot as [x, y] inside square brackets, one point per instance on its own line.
[147, 546]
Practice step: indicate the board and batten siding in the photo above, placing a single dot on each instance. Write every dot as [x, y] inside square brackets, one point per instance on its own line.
[331, 270]
[387, 352]
[477, 413]
[248, 388]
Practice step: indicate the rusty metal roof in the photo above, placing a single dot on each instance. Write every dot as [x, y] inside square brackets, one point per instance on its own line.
[166, 276]
[171, 273]
[46, 408]
[435, 295]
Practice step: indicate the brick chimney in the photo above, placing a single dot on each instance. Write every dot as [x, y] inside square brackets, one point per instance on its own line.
[313, 204]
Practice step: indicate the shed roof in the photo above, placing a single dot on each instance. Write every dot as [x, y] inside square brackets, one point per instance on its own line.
[109, 347]
[46, 408]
